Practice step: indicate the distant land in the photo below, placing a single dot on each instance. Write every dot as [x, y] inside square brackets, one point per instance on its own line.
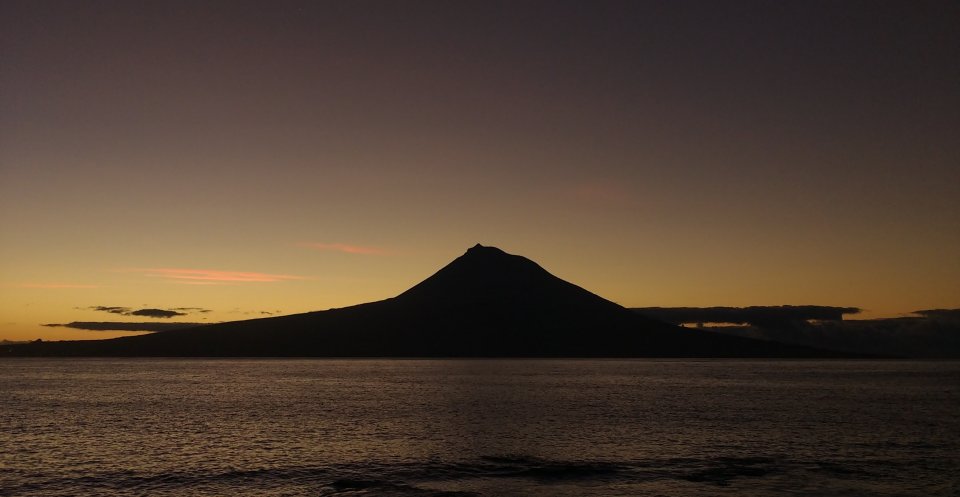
[486, 303]
[927, 333]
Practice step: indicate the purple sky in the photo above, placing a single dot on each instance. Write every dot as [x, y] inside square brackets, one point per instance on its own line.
[657, 153]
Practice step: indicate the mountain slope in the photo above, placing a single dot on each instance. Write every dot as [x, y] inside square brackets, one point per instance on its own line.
[486, 303]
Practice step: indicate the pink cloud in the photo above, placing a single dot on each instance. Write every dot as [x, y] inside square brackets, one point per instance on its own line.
[345, 248]
[212, 276]
[55, 285]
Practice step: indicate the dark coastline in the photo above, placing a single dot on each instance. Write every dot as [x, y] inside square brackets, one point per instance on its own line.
[486, 303]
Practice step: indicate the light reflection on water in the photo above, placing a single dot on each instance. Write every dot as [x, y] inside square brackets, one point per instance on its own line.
[477, 427]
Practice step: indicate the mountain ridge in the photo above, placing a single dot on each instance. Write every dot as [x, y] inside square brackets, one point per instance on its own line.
[485, 303]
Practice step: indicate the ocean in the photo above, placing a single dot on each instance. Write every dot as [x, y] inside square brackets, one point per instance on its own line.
[278, 427]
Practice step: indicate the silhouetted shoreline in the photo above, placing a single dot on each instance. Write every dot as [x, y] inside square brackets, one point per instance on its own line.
[484, 304]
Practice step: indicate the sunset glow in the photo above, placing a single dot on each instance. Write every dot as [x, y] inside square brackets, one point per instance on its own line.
[347, 249]
[54, 285]
[215, 276]
[254, 156]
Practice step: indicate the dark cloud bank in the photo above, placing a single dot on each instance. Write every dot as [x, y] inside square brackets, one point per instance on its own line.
[150, 312]
[931, 333]
[107, 326]
[156, 313]
[134, 326]
[754, 315]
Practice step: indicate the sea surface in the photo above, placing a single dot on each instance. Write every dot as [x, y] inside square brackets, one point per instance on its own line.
[172, 427]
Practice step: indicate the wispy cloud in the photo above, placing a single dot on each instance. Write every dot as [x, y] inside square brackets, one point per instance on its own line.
[55, 285]
[213, 276]
[344, 248]
[237, 310]
[110, 308]
[191, 309]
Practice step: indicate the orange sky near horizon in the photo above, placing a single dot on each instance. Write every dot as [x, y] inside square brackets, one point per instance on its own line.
[246, 159]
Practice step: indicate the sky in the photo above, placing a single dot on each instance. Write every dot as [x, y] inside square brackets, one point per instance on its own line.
[239, 159]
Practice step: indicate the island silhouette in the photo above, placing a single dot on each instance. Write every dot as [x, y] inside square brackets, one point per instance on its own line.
[485, 303]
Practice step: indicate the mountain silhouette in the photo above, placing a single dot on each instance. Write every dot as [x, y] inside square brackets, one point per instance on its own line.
[486, 303]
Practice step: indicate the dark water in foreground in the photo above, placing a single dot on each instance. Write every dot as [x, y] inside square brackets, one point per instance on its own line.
[478, 427]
